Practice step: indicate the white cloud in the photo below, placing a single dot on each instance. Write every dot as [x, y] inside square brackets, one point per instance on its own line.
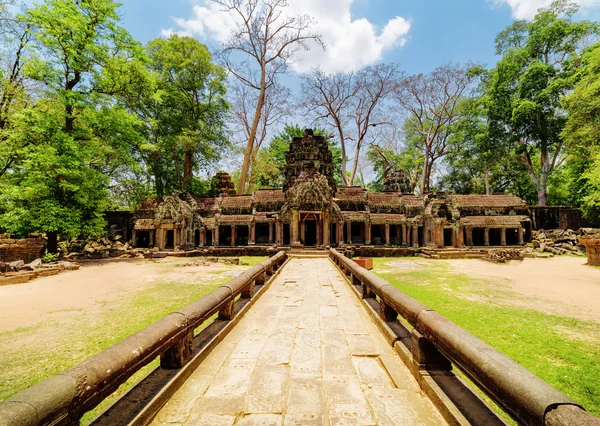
[526, 9]
[350, 43]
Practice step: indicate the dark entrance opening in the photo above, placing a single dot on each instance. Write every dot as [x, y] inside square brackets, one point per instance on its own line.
[358, 235]
[378, 235]
[286, 234]
[170, 243]
[310, 233]
[241, 235]
[420, 235]
[395, 235]
[512, 237]
[197, 238]
[143, 239]
[478, 236]
[448, 237]
[262, 233]
[332, 234]
[225, 235]
[495, 237]
[209, 238]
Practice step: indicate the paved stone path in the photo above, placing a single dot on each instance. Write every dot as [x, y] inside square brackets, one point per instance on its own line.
[305, 354]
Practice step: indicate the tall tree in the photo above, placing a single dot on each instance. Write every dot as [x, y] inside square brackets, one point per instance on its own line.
[351, 104]
[432, 103]
[527, 85]
[60, 185]
[259, 51]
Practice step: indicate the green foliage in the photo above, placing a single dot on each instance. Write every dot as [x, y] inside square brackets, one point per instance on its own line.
[50, 257]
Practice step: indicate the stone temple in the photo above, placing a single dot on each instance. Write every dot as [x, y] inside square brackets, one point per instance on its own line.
[312, 211]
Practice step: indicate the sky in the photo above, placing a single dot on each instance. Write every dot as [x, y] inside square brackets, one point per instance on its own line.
[418, 34]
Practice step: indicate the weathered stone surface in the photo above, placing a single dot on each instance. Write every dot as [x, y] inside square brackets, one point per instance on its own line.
[281, 366]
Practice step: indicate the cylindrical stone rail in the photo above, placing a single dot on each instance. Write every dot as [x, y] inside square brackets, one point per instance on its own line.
[65, 397]
[525, 397]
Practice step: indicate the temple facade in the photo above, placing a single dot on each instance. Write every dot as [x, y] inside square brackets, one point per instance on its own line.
[312, 211]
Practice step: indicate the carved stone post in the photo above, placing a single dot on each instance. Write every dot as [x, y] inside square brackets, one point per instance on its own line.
[521, 235]
[252, 229]
[216, 236]
[386, 312]
[460, 237]
[404, 236]
[486, 236]
[349, 229]
[326, 230]
[294, 227]
[152, 234]
[233, 235]
[368, 230]
[415, 235]
[426, 356]
[179, 354]
[503, 236]
[271, 232]
[454, 242]
[469, 241]
[340, 232]
[228, 311]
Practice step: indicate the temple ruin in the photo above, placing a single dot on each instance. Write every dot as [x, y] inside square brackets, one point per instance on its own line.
[312, 211]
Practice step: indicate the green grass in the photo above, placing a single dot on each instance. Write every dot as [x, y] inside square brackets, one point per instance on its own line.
[29, 355]
[563, 351]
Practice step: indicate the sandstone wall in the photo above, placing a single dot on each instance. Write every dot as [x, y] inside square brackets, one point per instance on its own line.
[25, 250]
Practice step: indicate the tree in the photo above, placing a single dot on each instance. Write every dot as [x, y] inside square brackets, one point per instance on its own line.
[351, 104]
[536, 71]
[432, 103]
[259, 51]
[59, 184]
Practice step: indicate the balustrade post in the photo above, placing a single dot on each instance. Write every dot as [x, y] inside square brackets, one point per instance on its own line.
[179, 354]
[366, 292]
[386, 312]
[248, 292]
[228, 311]
[260, 280]
[426, 356]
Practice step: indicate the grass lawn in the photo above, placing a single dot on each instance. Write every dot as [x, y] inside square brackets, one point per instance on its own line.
[563, 351]
[29, 355]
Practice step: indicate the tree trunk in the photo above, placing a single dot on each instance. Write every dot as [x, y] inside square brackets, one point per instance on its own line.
[250, 145]
[486, 176]
[425, 180]
[52, 242]
[187, 171]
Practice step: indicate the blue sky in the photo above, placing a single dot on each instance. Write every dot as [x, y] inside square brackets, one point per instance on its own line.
[440, 30]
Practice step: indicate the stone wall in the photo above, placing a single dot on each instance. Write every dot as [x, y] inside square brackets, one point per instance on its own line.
[229, 251]
[370, 251]
[557, 217]
[26, 250]
[592, 246]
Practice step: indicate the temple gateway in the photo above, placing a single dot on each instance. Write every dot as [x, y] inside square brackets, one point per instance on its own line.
[312, 211]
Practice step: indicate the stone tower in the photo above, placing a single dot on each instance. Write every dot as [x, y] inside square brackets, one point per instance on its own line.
[397, 181]
[309, 153]
[222, 184]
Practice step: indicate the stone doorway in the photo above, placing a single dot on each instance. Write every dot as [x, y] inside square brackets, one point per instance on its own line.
[143, 239]
[170, 239]
[310, 232]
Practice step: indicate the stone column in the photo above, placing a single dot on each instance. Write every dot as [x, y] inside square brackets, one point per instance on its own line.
[486, 236]
[152, 235]
[469, 241]
[252, 233]
[294, 228]
[233, 235]
[279, 236]
[460, 240]
[368, 231]
[387, 234]
[271, 232]
[216, 236]
[202, 237]
[521, 235]
[340, 233]
[302, 232]
[454, 237]
[503, 236]
[415, 235]
[349, 230]
[326, 230]
[404, 236]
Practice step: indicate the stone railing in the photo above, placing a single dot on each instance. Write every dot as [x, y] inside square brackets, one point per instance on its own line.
[430, 345]
[64, 398]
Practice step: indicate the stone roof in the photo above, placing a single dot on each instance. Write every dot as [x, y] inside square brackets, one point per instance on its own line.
[413, 201]
[491, 201]
[237, 201]
[144, 225]
[235, 219]
[355, 217]
[269, 196]
[383, 198]
[485, 221]
[207, 203]
[382, 219]
[352, 193]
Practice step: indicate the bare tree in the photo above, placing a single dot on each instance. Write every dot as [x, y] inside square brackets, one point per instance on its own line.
[432, 103]
[277, 107]
[261, 49]
[351, 104]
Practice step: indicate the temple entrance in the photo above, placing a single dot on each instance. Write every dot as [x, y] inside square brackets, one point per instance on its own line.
[143, 239]
[170, 239]
[310, 233]
[197, 238]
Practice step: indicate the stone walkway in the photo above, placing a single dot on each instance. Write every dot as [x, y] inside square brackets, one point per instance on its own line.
[305, 354]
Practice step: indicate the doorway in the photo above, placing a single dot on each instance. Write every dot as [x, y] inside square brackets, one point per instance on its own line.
[310, 233]
[170, 240]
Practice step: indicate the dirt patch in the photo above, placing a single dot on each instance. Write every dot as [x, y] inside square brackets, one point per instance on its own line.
[64, 296]
[563, 286]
